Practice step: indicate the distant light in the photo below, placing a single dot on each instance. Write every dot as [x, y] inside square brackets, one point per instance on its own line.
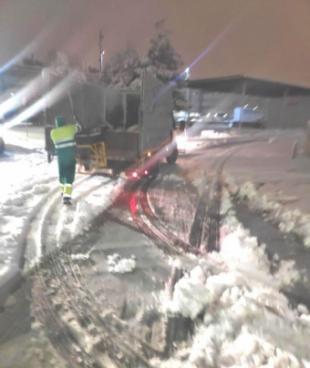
[187, 73]
[149, 154]
[133, 205]
[101, 60]
[146, 172]
[255, 108]
[134, 174]
[245, 106]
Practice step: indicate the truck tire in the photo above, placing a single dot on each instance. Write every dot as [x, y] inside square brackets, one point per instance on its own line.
[172, 158]
[2, 145]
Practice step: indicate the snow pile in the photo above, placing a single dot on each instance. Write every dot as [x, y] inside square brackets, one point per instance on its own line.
[212, 134]
[80, 257]
[288, 220]
[244, 320]
[186, 144]
[247, 191]
[121, 265]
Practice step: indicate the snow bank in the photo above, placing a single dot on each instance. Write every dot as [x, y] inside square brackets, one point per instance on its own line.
[80, 257]
[212, 134]
[288, 220]
[244, 319]
[186, 144]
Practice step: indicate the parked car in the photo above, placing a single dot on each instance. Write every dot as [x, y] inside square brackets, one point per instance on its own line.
[245, 116]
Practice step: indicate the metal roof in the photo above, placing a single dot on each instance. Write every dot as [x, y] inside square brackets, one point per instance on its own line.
[248, 85]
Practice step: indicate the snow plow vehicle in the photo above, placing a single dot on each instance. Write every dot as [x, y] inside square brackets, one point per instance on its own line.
[120, 128]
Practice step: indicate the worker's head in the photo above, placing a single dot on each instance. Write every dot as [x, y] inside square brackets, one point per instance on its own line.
[59, 121]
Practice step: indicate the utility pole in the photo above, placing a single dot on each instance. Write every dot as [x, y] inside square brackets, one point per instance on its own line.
[101, 51]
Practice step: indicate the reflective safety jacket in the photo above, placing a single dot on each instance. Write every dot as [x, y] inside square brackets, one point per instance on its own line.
[64, 141]
[64, 136]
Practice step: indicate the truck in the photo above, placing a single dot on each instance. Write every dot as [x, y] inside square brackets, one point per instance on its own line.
[245, 116]
[120, 128]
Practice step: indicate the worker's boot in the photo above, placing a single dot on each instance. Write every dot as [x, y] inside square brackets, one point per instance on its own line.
[67, 194]
[66, 200]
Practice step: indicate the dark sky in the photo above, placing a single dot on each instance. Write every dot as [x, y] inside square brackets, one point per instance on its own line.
[264, 38]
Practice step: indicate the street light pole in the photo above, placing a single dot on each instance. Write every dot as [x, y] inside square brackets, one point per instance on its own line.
[101, 37]
[187, 72]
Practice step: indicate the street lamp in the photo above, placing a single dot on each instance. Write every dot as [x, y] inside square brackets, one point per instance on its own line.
[186, 77]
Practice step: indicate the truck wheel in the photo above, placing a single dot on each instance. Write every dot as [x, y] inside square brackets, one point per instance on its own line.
[172, 158]
[2, 145]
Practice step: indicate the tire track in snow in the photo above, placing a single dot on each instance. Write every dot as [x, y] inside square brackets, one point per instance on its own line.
[77, 339]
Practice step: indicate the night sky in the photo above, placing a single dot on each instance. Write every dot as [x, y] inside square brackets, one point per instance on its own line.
[263, 38]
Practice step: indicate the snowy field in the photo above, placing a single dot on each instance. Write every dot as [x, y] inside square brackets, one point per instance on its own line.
[30, 191]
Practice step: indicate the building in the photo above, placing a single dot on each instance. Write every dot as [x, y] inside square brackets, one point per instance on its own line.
[283, 105]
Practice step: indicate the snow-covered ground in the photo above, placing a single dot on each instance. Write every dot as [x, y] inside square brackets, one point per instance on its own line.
[289, 221]
[188, 144]
[30, 190]
[242, 319]
[25, 181]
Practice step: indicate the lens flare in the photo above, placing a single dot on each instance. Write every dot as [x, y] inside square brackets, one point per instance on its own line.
[22, 97]
[50, 98]
[28, 50]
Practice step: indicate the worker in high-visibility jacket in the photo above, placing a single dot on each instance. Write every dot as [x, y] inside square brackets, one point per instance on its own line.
[63, 137]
